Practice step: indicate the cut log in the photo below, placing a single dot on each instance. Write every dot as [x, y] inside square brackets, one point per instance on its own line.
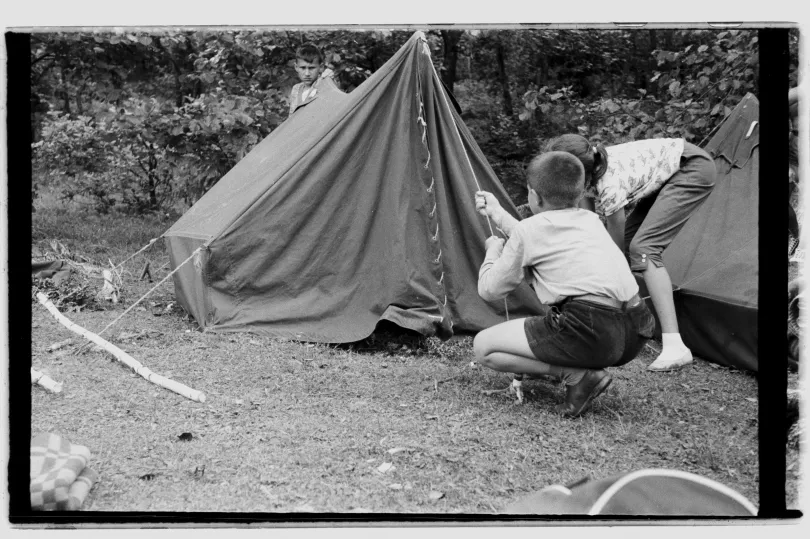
[45, 381]
[109, 291]
[56, 346]
[122, 356]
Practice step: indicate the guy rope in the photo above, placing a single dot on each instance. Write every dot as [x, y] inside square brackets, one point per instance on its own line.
[119, 354]
[152, 290]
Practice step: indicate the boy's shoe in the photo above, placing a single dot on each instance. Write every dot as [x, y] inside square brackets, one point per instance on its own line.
[580, 395]
[671, 362]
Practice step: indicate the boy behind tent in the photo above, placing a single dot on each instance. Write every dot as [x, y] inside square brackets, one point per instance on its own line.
[310, 69]
[596, 320]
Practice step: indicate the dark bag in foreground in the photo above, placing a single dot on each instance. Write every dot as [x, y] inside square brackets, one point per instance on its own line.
[648, 492]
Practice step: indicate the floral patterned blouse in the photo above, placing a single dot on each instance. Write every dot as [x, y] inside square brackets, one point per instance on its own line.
[636, 170]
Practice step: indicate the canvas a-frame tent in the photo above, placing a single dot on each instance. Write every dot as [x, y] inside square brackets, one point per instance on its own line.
[714, 259]
[358, 208]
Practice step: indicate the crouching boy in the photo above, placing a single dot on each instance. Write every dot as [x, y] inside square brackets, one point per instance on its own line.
[596, 319]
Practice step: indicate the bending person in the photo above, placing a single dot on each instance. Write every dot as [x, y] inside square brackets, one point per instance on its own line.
[667, 180]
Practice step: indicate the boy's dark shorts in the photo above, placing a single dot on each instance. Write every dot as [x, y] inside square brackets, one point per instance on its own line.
[589, 335]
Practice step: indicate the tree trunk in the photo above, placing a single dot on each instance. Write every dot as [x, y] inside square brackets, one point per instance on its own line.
[450, 38]
[627, 68]
[651, 63]
[504, 79]
[178, 90]
[153, 203]
[63, 92]
[668, 35]
[541, 77]
[79, 104]
[150, 175]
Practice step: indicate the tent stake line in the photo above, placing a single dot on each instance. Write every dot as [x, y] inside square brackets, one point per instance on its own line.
[122, 356]
[166, 278]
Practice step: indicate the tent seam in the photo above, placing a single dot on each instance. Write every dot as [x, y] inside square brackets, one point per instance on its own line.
[430, 190]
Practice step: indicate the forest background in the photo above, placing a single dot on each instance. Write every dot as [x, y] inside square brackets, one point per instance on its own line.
[148, 122]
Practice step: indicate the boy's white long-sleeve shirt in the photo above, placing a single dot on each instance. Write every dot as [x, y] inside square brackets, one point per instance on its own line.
[561, 253]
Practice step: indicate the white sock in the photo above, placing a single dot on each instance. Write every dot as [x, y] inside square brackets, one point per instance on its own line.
[674, 351]
[672, 341]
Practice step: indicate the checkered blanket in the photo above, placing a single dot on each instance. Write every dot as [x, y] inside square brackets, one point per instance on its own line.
[60, 478]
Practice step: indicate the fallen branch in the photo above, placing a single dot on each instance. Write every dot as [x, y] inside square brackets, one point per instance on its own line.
[122, 356]
[56, 346]
[435, 384]
[507, 389]
[45, 381]
[88, 269]
[515, 388]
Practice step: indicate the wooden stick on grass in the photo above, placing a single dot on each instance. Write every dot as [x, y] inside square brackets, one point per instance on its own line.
[45, 381]
[122, 356]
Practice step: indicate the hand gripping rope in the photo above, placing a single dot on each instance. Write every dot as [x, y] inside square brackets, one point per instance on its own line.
[426, 50]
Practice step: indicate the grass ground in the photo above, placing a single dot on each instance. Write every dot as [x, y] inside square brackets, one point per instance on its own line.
[291, 426]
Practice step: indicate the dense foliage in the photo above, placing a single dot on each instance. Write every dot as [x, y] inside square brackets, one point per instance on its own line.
[145, 122]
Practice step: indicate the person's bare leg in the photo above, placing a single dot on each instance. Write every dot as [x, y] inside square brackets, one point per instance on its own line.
[659, 285]
[504, 348]
[674, 354]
